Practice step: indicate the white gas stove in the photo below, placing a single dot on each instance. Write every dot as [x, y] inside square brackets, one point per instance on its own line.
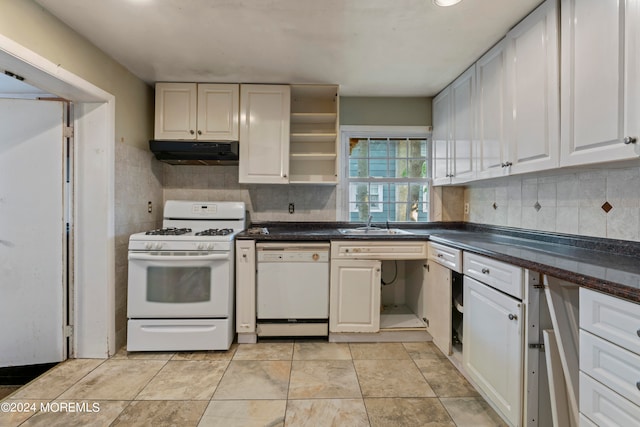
[181, 278]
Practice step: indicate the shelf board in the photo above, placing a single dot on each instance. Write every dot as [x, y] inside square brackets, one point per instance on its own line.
[313, 179]
[313, 156]
[313, 137]
[313, 117]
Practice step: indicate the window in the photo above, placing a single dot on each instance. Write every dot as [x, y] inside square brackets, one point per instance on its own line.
[385, 174]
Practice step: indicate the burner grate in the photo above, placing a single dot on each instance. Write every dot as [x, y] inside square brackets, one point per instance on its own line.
[215, 232]
[171, 231]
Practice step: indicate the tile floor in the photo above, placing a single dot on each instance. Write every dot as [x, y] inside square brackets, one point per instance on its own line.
[296, 383]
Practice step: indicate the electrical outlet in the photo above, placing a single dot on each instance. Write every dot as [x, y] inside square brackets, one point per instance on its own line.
[149, 207]
[292, 208]
[466, 208]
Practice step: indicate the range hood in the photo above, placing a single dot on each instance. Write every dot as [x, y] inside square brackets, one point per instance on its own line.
[195, 153]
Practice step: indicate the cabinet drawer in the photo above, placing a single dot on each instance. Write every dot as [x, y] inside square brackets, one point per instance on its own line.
[611, 318]
[378, 250]
[449, 257]
[605, 407]
[613, 366]
[504, 277]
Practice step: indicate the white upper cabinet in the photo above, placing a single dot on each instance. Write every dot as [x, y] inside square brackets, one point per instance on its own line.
[176, 116]
[441, 137]
[218, 112]
[491, 146]
[632, 77]
[190, 111]
[264, 134]
[594, 95]
[453, 131]
[533, 91]
[462, 118]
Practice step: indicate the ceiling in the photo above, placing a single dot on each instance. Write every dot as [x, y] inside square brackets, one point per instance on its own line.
[368, 47]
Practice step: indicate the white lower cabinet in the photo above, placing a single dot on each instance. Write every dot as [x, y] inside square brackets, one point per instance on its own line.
[493, 346]
[354, 304]
[438, 305]
[609, 360]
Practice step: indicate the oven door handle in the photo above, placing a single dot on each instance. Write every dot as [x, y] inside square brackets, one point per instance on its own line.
[149, 257]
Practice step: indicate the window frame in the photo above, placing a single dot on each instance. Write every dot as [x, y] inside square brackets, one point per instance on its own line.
[350, 131]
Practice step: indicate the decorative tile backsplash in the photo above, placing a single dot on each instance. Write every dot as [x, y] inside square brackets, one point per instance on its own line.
[598, 202]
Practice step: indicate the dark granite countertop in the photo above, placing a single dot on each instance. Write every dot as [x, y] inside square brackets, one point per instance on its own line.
[605, 265]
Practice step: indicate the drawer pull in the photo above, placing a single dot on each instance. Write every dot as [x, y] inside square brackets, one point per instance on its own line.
[638, 385]
[513, 317]
[440, 255]
[638, 332]
[485, 271]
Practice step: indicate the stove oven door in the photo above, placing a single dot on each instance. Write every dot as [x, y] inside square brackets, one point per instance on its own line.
[180, 285]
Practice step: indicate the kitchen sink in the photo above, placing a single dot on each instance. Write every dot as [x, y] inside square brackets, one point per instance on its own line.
[373, 231]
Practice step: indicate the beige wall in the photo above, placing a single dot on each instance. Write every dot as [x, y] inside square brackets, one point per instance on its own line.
[379, 111]
[30, 25]
[138, 178]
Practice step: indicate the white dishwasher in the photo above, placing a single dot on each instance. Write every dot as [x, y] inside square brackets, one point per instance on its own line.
[292, 289]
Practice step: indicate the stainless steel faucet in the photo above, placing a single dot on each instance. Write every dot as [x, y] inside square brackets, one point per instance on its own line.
[369, 221]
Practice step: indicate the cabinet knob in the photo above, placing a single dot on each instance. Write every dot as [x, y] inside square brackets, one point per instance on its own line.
[191, 132]
[513, 317]
[284, 176]
[199, 132]
[439, 255]
[638, 385]
[630, 140]
[485, 271]
[638, 332]
[506, 164]
[244, 256]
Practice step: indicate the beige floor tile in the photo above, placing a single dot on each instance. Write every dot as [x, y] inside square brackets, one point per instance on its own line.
[87, 413]
[6, 390]
[383, 378]
[185, 380]
[245, 413]
[472, 412]
[57, 380]
[445, 379]
[206, 355]
[142, 355]
[249, 379]
[264, 351]
[408, 412]
[21, 410]
[371, 351]
[321, 351]
[326, 412]
[423, 350]
[161, 413]
[115, 379]
[315, 379]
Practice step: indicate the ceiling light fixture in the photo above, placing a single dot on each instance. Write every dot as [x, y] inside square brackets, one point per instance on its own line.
[445, 3]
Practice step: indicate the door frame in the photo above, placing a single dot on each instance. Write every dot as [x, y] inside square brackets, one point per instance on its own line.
[93, 229]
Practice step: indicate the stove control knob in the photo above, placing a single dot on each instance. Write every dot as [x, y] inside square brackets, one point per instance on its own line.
[148, 245]
[158, 245]
[210, 246]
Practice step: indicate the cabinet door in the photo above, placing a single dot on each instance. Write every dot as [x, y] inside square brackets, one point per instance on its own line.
[462, 117]
[441, 137]
[491, 150]
[632, 75]
[354, 296]
[175, 115]
[437, 287]
[492, 346]
[532, 91]
[245, 286]
[264, 134]
[218, 112]
[593, 82]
